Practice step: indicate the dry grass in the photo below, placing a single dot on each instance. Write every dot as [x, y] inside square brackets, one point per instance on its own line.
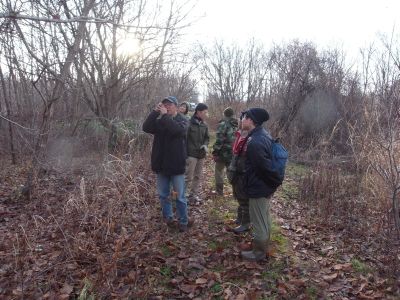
[334, 197]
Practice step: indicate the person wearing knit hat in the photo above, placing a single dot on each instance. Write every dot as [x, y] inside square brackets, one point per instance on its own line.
[258, 186]
[197, 140]
[222, 148]
[258, 115]
[228, 112]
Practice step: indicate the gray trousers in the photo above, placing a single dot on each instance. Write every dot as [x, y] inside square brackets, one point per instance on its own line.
[220, 174]
[194, 174]
[260, 218]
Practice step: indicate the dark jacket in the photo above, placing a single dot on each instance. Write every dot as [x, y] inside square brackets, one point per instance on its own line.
[236, 170]
[258, 164]
[168, 155]
[197, 136]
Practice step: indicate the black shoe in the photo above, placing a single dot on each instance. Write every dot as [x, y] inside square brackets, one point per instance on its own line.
[242, 228]
[185, 227]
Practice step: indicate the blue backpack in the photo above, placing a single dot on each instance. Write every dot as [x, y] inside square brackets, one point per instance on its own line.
[279, 160]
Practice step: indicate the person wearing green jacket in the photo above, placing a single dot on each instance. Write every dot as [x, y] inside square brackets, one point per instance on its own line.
[222, 149]
[197, 140]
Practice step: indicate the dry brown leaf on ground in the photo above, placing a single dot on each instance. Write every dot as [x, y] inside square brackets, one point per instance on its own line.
[331, 277]
[201, 281]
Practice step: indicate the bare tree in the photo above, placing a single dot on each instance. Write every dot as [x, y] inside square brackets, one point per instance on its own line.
[8, 111]
[70, 56]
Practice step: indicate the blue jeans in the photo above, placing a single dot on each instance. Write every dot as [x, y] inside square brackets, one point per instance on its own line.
[164, 191]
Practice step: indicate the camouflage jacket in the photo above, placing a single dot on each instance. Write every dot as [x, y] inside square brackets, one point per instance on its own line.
[225, 138]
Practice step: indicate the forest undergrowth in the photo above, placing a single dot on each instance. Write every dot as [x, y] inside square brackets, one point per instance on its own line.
[98, 234]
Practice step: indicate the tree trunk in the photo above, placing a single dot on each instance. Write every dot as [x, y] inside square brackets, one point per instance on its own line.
[56, 94]
[396, 216]
[8, 110]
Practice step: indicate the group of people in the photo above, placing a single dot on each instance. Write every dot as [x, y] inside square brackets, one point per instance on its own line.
[242, 149]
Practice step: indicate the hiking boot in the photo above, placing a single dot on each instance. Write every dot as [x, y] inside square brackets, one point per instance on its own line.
[190, 222]
[170, 222]
[258, 253]
[219, 189]
[184, 227]
[241, 228]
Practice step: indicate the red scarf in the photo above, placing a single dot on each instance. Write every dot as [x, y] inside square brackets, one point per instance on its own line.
[240, 144]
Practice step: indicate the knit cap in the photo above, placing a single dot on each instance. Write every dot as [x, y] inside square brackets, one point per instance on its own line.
[228, 112]
[258, 115]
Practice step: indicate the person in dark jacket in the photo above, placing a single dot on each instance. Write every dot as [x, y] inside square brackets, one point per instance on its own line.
[257, 183]
[235, 173]
[197, 148]
[168, 157]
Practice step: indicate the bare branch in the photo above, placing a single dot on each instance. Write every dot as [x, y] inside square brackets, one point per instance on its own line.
[57, 19]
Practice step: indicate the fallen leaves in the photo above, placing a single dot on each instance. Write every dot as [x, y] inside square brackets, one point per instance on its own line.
[65, 291]
[342, 267]
[129, 253]
[201, 281]
[331, 277]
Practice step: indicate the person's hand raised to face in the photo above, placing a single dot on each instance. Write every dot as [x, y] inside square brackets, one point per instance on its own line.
[161, 108]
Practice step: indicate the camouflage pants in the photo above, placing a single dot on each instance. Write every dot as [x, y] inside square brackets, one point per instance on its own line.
[219, 174]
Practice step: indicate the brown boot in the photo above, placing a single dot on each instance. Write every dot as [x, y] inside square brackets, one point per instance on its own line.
[258, 253]
[185, 227]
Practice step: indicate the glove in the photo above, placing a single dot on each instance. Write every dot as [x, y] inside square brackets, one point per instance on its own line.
[204, 147]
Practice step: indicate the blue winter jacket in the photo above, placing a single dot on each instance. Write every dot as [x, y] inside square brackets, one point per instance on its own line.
[258, 162]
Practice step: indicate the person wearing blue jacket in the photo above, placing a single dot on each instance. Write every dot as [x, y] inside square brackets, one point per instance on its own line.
[257, 183]
[168, 158]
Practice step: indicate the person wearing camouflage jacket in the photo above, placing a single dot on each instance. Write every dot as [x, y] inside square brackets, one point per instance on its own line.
[222, 149]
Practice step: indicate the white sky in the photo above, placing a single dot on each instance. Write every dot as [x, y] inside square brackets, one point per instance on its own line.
[344, 24]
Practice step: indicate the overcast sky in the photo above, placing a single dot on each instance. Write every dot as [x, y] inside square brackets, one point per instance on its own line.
[347, 24]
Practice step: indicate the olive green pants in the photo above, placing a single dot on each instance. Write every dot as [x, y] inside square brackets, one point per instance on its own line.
[193, 175]
[219, 173]
[260, 218]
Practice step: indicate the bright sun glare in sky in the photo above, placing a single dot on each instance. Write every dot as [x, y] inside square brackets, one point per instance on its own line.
[129, 46]
[347, 24]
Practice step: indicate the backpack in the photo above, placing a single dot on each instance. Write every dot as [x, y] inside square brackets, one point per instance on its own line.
[279, 160]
